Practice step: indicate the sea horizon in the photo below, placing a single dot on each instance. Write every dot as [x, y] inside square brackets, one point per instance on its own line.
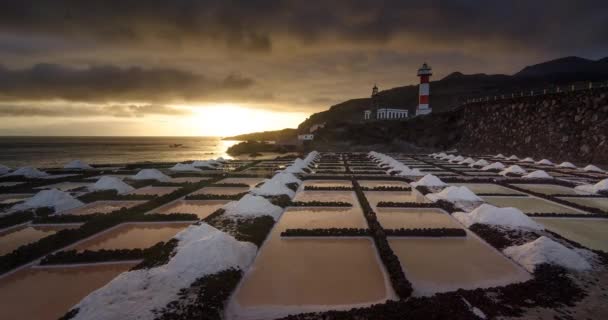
[56, 151]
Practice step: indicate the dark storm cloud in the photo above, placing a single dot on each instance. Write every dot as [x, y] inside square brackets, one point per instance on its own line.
[110, 83]
[255, 25]
[76, 111]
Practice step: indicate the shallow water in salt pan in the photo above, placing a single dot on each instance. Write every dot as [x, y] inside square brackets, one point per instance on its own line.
[48, 293]
[102, 207]
[394, 196]
[600, 203]
[132, 236]
[326, 196]
[155, 191]
[395, 218]
[318, 273]
[221, 190]
[548, 189]
[202, 208]
[447, 264]
[592, 233]
[311, 218]
[66, 186]
[530, 205]
[16, 237]
[9, 198]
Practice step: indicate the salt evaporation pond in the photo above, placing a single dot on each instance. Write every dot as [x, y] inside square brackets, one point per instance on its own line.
[396, 218]
[154, 191]
[188, 179]
[132, 236]
[311, 218]
[530, 205]
[591, 233]
[326, 196]
[394, 196]
[105, 206]
[447, 264]
[66, 186]
[548, 189]
[599, 203]
[49, 292]
[328, 183]
[486, 188]
[221, 190]
[252, 182]
[202, 208]
[299, 274]
[16, 237]
[9, 198]
[382, 183]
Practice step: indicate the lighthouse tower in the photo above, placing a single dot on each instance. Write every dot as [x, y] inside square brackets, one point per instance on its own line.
[423, 93]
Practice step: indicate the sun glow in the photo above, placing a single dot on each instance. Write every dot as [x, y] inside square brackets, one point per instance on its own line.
[232, 119]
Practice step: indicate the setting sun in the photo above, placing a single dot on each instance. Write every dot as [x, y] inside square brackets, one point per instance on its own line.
[232, 119]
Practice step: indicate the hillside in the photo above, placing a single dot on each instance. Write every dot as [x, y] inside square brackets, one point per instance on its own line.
[284, 134]
[449, 92]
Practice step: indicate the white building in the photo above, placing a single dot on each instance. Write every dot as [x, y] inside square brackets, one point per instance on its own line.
[306, 137]
[391, 114]
[378, 113]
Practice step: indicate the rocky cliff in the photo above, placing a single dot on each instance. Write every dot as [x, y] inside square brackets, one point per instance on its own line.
[571, 126]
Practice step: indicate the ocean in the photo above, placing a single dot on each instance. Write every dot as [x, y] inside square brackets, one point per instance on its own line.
[57, 151]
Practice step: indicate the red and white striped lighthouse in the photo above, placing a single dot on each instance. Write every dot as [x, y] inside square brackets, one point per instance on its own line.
[423, 93]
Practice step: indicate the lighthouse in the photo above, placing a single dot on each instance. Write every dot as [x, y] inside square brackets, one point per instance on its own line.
[423, 92]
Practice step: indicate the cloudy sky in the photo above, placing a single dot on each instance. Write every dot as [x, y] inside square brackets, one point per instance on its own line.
[187, 67]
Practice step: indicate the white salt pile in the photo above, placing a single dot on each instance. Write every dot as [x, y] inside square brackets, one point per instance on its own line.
[514, 169]
[594, 188]
[479, 163]
[78, 165]
[494, 166]
[273, 187]
[28, 172]
[545, 162]
[151, 174]
[457, 159]
[202, 250]
[111, 183]
[185, 167]
[467, 161]
[567, 165]
[57, 199]
[429, 180]
[500, 155]
[528, 159]
[506, 217]
[592, 168]
[545, 250]
[4, 169]
[286, 178]
[210, 164]
[251, 206]
[454, 194]
[513, 157]
[538, 174]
